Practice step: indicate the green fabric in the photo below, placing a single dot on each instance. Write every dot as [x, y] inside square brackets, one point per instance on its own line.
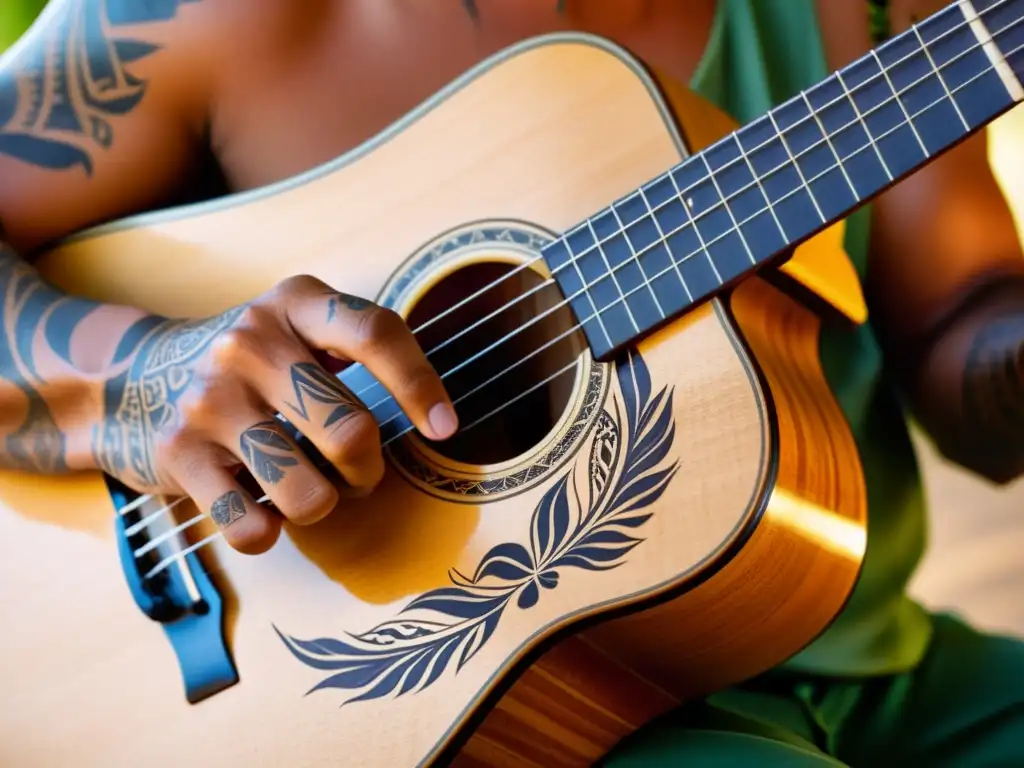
[962, 707]
[762, 52]
[887, 683]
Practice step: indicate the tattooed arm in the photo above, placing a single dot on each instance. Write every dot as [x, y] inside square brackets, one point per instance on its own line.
[179, 406]
[101, 108]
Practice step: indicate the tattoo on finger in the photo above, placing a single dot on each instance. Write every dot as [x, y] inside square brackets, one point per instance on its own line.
[339, 301]
[228, 509]
[312, 384]
[267, 451]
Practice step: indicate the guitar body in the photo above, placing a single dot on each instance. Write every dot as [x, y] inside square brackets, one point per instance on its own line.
[666, 525]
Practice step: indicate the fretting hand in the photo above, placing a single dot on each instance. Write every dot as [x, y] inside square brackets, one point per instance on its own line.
[193, 401]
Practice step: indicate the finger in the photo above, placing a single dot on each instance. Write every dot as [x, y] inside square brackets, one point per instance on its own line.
[379, 338]
[332, 419]
[299, 492]
[246, 526]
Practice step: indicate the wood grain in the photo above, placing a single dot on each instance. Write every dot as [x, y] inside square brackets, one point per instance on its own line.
[755, 543]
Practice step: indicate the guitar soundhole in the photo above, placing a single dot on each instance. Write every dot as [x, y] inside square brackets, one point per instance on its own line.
[511, 375]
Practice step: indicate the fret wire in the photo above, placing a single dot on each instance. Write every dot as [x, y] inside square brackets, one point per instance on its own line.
[180, 555]
[574, 259]
[691, 220]
[899, 103]
[872, 143]
[796, 165]
[582, 322]
[828, 140]
[860, 120]
[611, 272]
[703, 249]
[700, 251]
[760, 186]
[692, 223]
[728, 209]
[636, 258]
[867, 131]
[987, 70]
[938, 76]
[664, 238]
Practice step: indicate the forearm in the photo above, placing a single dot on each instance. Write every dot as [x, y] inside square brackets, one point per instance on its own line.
[56, 352]
[967, 387]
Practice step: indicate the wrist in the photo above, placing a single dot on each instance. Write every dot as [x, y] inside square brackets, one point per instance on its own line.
[72, 382]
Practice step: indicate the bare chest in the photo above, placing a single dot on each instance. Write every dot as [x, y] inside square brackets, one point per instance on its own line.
[351, 69]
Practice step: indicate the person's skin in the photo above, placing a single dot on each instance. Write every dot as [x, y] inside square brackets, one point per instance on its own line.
[264, 89]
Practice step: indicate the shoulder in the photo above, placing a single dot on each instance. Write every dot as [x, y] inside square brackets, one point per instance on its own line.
[102, 106]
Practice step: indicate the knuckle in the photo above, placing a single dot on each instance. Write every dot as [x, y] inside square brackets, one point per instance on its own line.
[316, 499]
[378, 328]
[196, 409]
[236, 346]
[175, 445]
[256, 536]
[423, 381]
[355, 437]
[298, 285]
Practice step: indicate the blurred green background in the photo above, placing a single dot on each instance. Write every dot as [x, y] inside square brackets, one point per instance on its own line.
[1007, 133]
[15, 17]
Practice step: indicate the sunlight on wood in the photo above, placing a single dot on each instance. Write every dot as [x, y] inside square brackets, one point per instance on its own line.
[1006, 151]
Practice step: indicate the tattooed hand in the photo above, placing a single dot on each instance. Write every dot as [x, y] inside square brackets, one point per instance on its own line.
[194, 401]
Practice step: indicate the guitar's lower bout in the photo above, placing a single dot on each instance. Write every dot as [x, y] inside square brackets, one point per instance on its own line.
[689, 515]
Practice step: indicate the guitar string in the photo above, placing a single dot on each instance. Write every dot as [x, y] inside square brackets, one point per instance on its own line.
[810, 117]
[167, 535]
[695, 253]
[753, 151]
[691, 222]
[935, 71]
[179, 556]
[480, 386]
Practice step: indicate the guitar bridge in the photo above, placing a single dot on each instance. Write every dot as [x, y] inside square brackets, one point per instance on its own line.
[181, 598]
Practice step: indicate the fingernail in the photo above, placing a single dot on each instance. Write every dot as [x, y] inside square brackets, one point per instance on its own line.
[443, 420]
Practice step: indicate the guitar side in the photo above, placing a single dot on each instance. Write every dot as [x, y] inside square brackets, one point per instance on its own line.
[749, 550]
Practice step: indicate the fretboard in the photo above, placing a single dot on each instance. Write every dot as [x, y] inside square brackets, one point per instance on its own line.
[753, 196]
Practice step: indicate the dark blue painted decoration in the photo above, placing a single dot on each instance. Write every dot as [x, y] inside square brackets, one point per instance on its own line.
[592, 528]
[195, 629]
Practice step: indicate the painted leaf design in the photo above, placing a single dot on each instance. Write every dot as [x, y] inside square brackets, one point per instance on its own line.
[449, 625]
[458, 602]
[507, 562]
[551, 520]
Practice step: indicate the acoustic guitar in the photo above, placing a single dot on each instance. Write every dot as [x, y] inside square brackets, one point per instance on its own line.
[654, 493]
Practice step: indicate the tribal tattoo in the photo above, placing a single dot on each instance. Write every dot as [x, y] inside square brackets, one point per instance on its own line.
[56, 110]
[142, 401]
[339, 301]
[227, 509]
[267, 451]
[314, 385]
[32, 312]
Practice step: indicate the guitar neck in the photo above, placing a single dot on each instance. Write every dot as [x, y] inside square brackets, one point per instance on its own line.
[739, 204]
